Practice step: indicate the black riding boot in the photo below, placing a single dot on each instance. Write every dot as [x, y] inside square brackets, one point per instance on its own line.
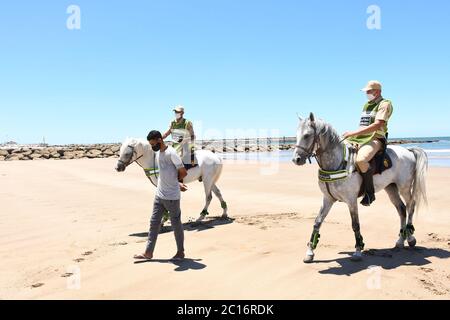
[369, 191]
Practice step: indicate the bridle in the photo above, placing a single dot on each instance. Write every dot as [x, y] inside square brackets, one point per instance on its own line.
[311, 152]
[156, 174]
[130, 162]
[136, 160]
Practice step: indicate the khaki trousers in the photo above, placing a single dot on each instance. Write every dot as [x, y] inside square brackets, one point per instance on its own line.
[366, 153]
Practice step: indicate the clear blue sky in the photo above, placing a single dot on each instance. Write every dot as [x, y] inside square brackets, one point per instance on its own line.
[233, 64]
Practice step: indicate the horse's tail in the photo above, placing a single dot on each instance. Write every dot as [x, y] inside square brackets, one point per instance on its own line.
[418, 188]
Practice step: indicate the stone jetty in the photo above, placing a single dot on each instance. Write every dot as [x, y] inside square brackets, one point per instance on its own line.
[94, 151]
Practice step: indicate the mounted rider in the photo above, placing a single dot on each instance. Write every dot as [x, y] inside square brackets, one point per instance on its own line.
[372, 135]
[183, 137]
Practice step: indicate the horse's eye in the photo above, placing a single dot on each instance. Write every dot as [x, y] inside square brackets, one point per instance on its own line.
[306, 136]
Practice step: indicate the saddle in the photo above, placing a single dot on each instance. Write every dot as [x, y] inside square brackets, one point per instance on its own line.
[380, 162]
[188, 166]
[193, 164]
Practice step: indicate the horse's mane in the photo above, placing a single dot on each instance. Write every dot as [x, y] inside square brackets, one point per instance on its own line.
[131, 141]
[328, 133]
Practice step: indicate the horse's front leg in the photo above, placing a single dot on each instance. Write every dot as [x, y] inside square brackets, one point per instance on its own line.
[312, 244]
[353, 207]
[205, 212]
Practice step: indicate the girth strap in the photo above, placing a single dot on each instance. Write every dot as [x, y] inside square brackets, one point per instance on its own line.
[329, 192]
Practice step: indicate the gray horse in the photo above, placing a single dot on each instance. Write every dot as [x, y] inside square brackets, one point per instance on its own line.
[406, 179]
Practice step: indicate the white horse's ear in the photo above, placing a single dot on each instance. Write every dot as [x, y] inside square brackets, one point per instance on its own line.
[311, 117]
[299, 118]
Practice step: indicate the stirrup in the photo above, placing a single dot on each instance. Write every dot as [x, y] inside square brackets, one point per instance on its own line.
[367, 200]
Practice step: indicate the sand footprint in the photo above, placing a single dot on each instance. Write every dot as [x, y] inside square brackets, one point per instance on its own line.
[433, 285]
[435, 237]
[122, 243]
[67, 274]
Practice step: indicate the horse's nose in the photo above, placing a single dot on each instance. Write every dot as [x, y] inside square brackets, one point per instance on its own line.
[296, 160]
[120, 167]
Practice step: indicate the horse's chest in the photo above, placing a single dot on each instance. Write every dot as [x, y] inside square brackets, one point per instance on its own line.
[339, 190]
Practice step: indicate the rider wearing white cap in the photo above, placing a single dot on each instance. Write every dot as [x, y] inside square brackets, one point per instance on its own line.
[183, 137]
[371, 137]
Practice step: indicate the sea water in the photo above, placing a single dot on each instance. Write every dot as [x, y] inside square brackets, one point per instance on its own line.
[438, 152]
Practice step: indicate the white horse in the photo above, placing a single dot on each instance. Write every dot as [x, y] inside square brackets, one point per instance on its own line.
[209, 169]
[406, 178]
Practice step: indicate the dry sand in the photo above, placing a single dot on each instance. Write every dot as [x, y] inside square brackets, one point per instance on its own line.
[82, 217]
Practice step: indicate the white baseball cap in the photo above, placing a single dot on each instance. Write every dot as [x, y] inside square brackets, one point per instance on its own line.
[178, 109]
[372, 85]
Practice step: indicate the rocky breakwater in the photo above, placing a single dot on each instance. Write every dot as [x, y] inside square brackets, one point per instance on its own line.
[60, 152]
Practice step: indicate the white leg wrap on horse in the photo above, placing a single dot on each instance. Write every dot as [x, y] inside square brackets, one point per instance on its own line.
[201, 218]
[412, 241]
[357, 256]
[400, 243]
[309, 257]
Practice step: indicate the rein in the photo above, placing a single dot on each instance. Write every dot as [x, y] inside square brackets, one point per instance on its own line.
[146, 170]
[149, 175]
[311, 152]
[326, 176]
[134, 152]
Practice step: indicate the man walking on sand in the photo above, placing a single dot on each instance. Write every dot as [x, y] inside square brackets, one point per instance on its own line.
[170, 182]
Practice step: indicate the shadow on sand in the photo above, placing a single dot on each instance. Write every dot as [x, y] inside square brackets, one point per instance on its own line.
[207, 224]
[186, 264]
[183, 265]
[384, 258]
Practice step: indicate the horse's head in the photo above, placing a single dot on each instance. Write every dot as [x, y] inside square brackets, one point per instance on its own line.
[307, 139]
[130, 151]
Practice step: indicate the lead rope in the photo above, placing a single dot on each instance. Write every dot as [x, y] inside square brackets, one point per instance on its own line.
[156, 171]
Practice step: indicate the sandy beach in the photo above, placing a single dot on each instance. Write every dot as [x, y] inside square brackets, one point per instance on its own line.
[69, 230]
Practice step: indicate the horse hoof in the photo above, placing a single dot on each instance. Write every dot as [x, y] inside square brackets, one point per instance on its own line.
[399, 245]
[357, 256]
[201, 218]
[224, 216]
[308, 259]
[412, 243]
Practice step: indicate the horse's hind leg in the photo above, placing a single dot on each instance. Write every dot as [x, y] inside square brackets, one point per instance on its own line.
[207, 184]
[408, 231]
[394, 196]
[312, 244]
[222, 202]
